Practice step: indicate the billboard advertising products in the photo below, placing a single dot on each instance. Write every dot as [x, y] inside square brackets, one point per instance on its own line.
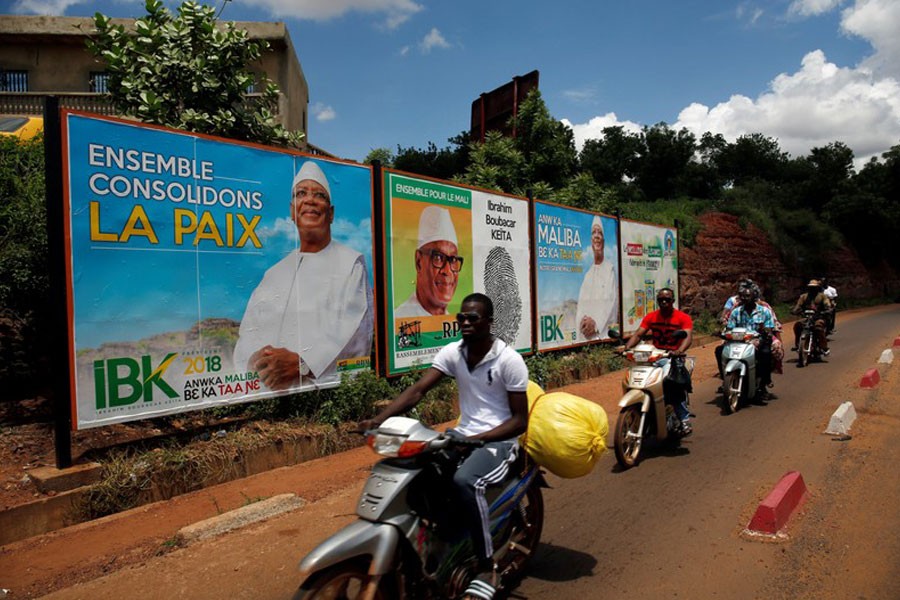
[443, 242]
[649, 263]
[203, 271]
[577, 275]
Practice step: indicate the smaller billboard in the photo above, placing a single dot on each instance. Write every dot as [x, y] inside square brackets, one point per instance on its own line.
[577, 275]
[649, 263]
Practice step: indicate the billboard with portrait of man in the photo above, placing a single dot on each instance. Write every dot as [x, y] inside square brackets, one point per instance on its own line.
[205, 271]
[443, 242]
[577, 275]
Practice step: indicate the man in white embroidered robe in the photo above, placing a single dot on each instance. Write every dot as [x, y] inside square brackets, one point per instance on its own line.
[598, 300]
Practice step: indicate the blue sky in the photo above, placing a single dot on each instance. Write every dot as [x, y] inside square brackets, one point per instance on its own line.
[384, 73]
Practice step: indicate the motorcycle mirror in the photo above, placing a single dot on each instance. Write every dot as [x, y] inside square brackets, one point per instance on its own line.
[614, 333]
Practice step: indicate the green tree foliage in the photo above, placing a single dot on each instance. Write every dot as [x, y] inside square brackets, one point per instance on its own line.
[611, 159]
[496, 164]
[442, 163]
[663, 160]
[24, 282]
[191, 72]
[382, 155]
[547, 145]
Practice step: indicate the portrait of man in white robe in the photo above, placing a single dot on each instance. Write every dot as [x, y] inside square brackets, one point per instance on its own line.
[598, 300]
[314, 307]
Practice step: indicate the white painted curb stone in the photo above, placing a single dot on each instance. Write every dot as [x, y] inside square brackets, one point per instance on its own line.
[239, 517]
[842, 419]
[887, 357]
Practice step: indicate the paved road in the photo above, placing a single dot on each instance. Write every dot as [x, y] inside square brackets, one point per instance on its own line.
[670, 528]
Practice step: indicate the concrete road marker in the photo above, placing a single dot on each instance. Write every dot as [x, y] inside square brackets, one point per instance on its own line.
[775, 510]
[896, 342]
[887, 357]
[842, 419]
[239, 517]
[870, 379]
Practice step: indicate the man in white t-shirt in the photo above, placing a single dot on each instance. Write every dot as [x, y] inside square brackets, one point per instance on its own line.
[830, 293]
[492, 379]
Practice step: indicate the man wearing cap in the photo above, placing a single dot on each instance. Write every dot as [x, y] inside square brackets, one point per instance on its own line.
[598, 300]
[812, 299]
[437, 266]
[313, 307]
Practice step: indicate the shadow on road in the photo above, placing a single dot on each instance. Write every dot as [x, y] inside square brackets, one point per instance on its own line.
[555, 563]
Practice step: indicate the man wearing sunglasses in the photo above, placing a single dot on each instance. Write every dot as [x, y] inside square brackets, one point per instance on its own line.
[492, 379]
[437, 266]
[662, 325]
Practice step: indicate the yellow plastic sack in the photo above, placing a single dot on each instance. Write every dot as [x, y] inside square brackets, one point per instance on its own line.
[566, 433]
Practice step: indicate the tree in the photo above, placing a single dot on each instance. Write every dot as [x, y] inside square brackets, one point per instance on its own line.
[611, 159]
[752, 156]
[663, 161]
[382, 155]
[443, 163]
[547, 145]
[25, 323]
[190, 72]
[496, 164]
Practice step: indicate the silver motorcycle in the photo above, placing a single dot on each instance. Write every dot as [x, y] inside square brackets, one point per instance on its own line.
[741, 377]
[409, 542]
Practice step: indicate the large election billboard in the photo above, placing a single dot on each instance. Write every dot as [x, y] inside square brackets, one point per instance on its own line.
[649, 263]
[577, 275]
[443, 242]
[203, 271]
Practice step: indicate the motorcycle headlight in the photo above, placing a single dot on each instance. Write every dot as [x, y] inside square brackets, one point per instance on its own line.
[641, 356]
[393, 445]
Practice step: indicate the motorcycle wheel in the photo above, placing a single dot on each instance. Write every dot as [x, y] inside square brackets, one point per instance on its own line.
[528, 521]
[803, 351]
[732, 391]
[344, 581]
[628, 447]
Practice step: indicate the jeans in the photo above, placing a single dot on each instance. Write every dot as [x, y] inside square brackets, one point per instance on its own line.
[676, 395]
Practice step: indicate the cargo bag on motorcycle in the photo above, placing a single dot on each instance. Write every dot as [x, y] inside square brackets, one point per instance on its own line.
[566, 434]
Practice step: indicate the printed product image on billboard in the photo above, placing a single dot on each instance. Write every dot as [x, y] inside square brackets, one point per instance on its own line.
[444, 242]
[203, 271]
[649, 263]
[577, 275]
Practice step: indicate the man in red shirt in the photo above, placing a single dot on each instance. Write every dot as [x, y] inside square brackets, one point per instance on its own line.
[662, 325]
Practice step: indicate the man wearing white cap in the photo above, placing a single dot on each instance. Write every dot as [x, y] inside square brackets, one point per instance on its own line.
[437, 266]
[313, 307]
[598, 300]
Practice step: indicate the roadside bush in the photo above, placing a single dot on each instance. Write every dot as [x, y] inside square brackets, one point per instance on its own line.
[24, 283]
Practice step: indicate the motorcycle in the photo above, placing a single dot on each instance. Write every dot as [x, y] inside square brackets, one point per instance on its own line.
[741, 379]
[408, 541]
[643, 411]
[808, 348]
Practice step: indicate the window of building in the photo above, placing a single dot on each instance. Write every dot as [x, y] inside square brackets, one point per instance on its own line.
[13, 81]
[99, 82]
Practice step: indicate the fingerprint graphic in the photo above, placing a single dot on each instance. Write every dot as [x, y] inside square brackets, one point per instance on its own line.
[501, 285]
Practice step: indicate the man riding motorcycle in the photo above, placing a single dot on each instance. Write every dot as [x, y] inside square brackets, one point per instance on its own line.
[662, 324]
[492, 379]
[750, 314]
[813, 299]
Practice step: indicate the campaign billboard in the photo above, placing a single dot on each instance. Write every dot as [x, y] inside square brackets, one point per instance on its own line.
[576, 275]
[649, 263]
[442, 242]
[204, 271]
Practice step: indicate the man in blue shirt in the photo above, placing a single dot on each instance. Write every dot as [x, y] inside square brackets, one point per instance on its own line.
[752, 315]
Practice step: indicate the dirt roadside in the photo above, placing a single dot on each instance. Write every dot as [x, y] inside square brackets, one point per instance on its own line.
[62, 559]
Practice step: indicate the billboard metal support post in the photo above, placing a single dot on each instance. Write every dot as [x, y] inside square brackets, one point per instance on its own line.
[59, 349]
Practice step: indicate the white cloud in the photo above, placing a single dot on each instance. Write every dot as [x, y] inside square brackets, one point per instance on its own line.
[43, 7]
[818, 104]
[585, 95]
[395, 12]
[323, 112]
[877, 21]
[808, 8]
[593, 129]
[433, 39]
